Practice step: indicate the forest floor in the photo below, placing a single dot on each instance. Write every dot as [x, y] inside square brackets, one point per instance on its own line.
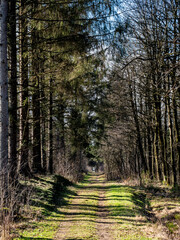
[100, 210]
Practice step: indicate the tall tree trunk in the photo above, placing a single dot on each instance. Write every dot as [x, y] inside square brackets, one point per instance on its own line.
[24, 98]
[159, 132]
[36, 62]
[149, 130]
[51, 130]
[37, 167]
[13, 91]
[139, 138]
[166, 138]
[3, 89]
[3, 111]
[171, 141]
[175, 85]
[43, 126]
[166, 101]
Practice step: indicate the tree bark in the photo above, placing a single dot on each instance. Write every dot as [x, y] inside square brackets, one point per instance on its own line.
[4, 89]
[51, 130]
[36, 62]
[139, 138]
[24, 96]
[13, 91]
[175, 85]
[3, 110]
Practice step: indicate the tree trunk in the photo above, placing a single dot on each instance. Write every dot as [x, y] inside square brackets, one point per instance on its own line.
[51, 130]
[24, 98]
[4, 111]
[13, 91]
[43, 126]
[37, 167]
[171, 141]
[4, 88]
[139, 138]
[175, 85]
[36, 63]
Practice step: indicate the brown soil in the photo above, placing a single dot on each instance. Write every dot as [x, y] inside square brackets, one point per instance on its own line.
[104, 221]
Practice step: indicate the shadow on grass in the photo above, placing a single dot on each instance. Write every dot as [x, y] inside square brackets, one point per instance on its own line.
[173, 192]
[53, 197]
[141, 202]
[138, 198]
[57, 193]
[142, 205]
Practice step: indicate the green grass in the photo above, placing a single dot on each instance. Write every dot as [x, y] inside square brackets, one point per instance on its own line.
[129, 207]
[177, 217]
[41, 218]
[55, 202]
[171, 226]
[72, 211]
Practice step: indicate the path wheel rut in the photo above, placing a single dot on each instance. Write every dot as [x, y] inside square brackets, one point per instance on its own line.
[104, 222]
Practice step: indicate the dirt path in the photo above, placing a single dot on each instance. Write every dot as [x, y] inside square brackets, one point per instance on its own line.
[87, 216]
[107, 211]
[104, 221]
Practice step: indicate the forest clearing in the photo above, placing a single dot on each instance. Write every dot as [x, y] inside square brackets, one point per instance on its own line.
[89, 119]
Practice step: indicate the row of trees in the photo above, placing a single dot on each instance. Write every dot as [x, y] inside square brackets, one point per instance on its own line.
[65, 91]
[69, 99]
[53, 90]
[56, 85]
[145, 136]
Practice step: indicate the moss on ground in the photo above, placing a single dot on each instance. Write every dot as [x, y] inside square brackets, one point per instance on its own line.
[40, 218]
[172, 227]
[129, 207]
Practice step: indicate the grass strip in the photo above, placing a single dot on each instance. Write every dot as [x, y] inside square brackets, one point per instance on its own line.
[128, 206]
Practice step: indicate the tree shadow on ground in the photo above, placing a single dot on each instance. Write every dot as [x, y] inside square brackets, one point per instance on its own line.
[55, 194]
[52, 198]
[139, 199]
[141, 202]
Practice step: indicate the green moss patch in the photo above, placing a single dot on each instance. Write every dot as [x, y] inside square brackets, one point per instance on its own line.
[172, 227]
[40, 218]
[130, 208]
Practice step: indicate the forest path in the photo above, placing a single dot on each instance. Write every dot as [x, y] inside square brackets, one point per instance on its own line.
[106, 211]
[86, 216]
